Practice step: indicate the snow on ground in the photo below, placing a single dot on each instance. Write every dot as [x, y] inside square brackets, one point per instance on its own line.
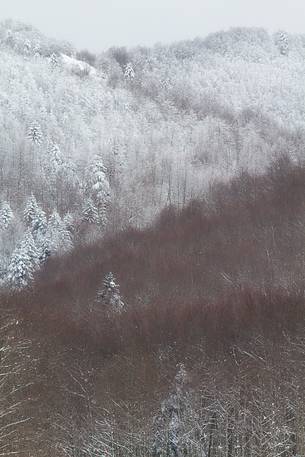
[77, 66]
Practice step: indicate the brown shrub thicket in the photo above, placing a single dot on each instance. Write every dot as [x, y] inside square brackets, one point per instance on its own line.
[218, 285]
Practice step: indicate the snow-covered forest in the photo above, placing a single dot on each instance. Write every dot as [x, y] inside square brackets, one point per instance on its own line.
[152, 247]
[111, 139]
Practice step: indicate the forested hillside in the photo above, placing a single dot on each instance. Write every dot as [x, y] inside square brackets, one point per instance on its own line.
[152, 246]
[182, 339]
[108, 140]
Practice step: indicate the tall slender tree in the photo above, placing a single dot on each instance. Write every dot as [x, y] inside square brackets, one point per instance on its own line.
[90, 212]
[34, 133]
[6, 215]
[20, 269]
[169, 433]
[109, 295]
[31, 210]
[129, 73]
[58, 234]
[282, 42]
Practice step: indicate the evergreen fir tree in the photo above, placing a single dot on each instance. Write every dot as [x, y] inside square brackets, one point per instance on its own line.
[36, 220]
[90, 212]
[44, 248]
[58, 234]
[99, 189]
[39, 223]
[129, 73]
[169, 431]
[54, 60]
[109, 295]
[56, 157]
[20, 269]
[34, 133]
[102, 216]
[98, 181]
[69, 223]
[6, 215]
[31, 210]
[282, 42]
[55, 221]
[29, 245]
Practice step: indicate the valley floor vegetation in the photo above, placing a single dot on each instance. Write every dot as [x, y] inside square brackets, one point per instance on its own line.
[185, 338]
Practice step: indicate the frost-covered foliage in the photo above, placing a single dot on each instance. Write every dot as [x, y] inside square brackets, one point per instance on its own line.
[61, 239]
[34, 133]
[145, 127]
[195, 111]
[56, 158]
[22, 263]
[27, 244]
[282, 41]
[39, 223]
[109, 295]
[6, 215]
[31, 211]
[28, 41]
[90, 212]
[171, 438]
[129, 73]
[97, 180]
[77, 67]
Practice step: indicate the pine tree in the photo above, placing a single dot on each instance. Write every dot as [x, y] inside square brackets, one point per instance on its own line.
[55, 221]
[90, 212]
[98, 188]
[58, 234]
[98, 181]
[54, 60]
[31, 210]
[20, 269]
[39, 223]
[69, 223]
[282, 42]
[36, 220]
[102, 215]
[109, 295]
[169, 434]
[129, 73]
[6, 215]
[34, 133]
[44, 248]
[29, 245]
[56, 158]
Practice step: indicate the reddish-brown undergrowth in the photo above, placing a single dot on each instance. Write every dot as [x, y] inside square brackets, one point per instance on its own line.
[216, 271]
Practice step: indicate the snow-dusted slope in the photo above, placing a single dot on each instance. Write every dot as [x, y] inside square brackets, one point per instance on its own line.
[191, 113]
[78, 67]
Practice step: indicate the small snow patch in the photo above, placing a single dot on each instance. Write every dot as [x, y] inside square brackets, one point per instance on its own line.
[77, 66]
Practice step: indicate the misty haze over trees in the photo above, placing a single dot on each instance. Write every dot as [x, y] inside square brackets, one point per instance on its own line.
[152, 247]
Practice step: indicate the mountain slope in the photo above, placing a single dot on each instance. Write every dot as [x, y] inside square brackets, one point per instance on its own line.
[151, 126]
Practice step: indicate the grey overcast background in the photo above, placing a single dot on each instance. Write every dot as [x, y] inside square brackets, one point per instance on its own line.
[98, 24]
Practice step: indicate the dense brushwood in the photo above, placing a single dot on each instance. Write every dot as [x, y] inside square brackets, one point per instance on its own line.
[215, 260]
[215, 284]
